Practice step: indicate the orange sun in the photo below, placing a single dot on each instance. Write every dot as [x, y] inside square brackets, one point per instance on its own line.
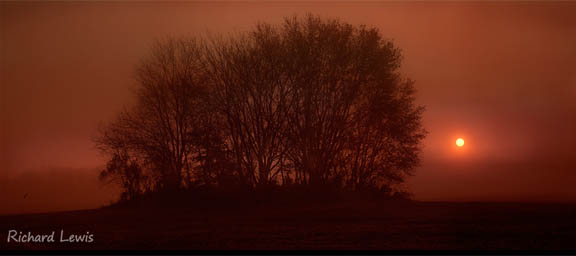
[460, 142]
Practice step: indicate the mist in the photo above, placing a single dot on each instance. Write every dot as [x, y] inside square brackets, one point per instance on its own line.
[498, 74]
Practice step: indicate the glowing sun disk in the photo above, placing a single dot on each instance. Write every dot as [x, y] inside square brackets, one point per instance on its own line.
[460, 142]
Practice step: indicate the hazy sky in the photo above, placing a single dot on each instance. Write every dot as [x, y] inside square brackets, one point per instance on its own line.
[500, 75]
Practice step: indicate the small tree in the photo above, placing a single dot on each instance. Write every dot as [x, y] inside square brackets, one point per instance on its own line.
[165, 131]
[128, 174]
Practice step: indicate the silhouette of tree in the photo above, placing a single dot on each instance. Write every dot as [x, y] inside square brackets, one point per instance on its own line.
[165, 128]
[252, 90]
[320, 102]
[127, 173]
[312, 102]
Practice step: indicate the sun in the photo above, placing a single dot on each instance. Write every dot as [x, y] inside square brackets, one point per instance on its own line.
[460, 142]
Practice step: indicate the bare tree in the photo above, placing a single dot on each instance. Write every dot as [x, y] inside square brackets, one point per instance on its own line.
[163, 131]
[252, 90]
[351, 117]
[127, 173]
[319, 102]
[313, 102]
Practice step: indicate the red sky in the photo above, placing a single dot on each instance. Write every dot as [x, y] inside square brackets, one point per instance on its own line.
[501, 75]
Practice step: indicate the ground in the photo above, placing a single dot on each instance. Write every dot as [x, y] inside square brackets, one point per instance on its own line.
[328, 226]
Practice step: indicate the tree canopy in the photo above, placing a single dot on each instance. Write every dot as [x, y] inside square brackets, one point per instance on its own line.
[309, 103]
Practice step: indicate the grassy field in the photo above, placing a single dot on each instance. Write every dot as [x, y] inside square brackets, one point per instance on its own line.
[330, 226]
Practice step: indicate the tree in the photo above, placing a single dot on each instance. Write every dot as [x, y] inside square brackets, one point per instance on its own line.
[252, 91]
[127, 173]
[165, 129]
[321, 102]
[312, 102]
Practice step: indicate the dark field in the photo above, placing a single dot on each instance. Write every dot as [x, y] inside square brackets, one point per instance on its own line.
[355, 226]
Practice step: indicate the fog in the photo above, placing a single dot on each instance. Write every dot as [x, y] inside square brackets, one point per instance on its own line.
[499, 75]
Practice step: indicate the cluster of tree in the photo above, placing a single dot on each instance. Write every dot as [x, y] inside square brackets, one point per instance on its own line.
[311, 102]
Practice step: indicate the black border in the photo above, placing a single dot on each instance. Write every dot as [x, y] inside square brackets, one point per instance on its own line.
[288, 252]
